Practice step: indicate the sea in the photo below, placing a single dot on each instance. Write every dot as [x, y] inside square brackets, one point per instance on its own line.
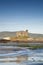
[14, 55]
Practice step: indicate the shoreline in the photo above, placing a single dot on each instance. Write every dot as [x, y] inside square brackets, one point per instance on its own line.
[21, 41]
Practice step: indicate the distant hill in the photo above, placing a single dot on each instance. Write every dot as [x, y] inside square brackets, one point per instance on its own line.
[12, 34]
[7, 34]
[35, 35]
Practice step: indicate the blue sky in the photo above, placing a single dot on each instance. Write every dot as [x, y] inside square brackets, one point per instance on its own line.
[18, 15]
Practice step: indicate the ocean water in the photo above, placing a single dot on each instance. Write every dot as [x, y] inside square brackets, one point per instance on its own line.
[10, 55]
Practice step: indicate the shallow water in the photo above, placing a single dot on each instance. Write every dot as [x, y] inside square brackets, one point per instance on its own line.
[20, 56]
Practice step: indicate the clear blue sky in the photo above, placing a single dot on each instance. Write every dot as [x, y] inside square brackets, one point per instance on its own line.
[21, 15]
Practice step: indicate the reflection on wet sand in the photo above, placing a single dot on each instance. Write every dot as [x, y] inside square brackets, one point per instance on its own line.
[22, 58]
[17, 59]
[20, 55]
[13, 54]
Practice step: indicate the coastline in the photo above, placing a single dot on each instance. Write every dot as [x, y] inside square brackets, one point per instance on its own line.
[26, 40]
